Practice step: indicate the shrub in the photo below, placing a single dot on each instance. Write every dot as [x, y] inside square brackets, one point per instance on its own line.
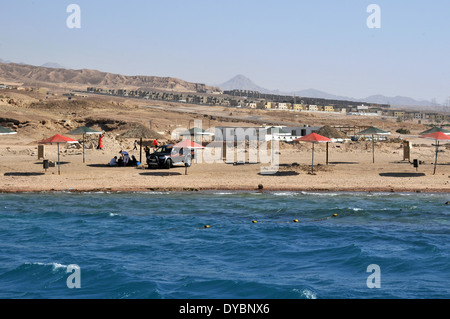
[403, 131]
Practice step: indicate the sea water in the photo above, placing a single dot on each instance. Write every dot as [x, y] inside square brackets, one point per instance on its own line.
[277, 245]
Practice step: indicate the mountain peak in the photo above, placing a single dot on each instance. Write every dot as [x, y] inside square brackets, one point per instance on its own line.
[241, 82]
[53, 65]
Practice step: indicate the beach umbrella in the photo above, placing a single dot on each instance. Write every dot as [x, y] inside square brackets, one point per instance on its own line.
[84, 130]
[58, 139]
[188, 144]
[434, 130]
[331, 133]
[373, 131]
[313, 138]
[6, 131]
[141, 131]
[437, 136]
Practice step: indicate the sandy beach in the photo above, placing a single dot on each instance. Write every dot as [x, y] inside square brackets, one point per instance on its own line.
[350, 169]
[350, 165]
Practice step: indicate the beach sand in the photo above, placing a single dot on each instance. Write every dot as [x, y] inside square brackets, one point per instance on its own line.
[350, 164]
[349, 169]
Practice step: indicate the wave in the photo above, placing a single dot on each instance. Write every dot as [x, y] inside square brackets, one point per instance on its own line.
[55, 266]
[306, 293]
[323, 193]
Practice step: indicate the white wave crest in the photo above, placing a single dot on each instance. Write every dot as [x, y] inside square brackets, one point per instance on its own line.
[55, 266]
[309, 294]
[306, 293]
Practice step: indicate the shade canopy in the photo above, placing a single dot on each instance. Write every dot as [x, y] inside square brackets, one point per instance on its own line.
[188, 144]
[434, 130]
[373, 131]
[313, 137]
[141, 131]
[58, 139]
[84, 130]
[437, 136]
[6, 131]
[331, 132]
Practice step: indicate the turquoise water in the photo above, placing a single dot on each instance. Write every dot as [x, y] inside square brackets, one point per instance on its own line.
[155, 245]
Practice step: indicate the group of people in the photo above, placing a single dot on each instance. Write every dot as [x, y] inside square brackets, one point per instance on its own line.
[124, 160]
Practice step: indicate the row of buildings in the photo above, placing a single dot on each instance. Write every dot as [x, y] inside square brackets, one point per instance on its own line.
[256, 100]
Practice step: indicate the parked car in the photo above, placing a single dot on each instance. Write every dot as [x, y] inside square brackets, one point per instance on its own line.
[167, 156]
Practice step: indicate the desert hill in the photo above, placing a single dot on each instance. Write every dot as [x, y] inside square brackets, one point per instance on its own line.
[31, 75]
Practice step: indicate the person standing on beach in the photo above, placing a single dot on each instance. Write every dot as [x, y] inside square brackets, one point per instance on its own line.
[100, 142]
[135, 145]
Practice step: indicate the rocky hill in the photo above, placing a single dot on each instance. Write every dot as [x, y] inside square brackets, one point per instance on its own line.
[31, 75]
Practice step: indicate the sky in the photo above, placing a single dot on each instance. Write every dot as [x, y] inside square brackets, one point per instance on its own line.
[288, 45]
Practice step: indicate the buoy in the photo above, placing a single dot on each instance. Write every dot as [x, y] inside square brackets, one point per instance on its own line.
[334, 215]
[206, 226]
[254, 221]
[295, 220]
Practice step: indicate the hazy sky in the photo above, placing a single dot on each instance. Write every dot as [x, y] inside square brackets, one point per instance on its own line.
[285, 45]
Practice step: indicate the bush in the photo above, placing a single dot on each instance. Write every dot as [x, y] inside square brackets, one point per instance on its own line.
[403, 131]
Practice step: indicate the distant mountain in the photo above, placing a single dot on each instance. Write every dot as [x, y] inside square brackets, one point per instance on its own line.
[320, 94]
[240, 82]
[398, 100]
[53, 65]
[30, 75]
[9, 61]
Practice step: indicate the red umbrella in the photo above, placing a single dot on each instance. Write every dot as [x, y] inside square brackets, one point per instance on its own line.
[188, 144]
[313, 138]
[440, 136]
[437, 136]
[58, 139]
